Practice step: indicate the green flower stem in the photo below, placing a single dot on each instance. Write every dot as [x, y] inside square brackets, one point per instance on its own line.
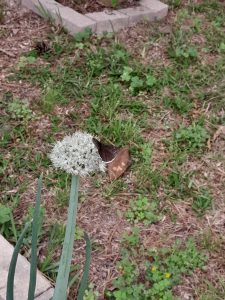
[35, 227]
[65, 261]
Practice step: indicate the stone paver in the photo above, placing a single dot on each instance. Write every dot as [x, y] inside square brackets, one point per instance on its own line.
[109, 20]
[71, 20]
[104, 21]
[75, 22]
[158, 8]
[137, 14]
[44, 290]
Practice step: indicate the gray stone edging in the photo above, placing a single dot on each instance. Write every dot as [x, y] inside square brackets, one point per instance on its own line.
[105, 21]
[43, 291]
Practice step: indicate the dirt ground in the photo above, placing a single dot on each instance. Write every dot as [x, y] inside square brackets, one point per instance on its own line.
[95, 5]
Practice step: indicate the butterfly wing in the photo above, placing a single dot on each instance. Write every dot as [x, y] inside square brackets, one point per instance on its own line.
[119, 165]
[107, 152]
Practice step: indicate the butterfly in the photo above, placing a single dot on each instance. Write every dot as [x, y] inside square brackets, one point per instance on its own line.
[107, 152]
[117, 159]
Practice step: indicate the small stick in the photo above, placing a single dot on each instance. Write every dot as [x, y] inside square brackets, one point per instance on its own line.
[7, 53]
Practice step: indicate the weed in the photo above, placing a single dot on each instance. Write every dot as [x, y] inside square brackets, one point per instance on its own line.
[114, 3]
[61, 188]
[132, 239]
[147, 178]
[83, 36]
[210, 241]
[144, 154]
[107, 101]
[5, 139]
[174, 3]
[181, 260]
[136, 81]
[178, 103]
[213, 291]
[155, 280]
[120, 132]
[218, 21]
[202, 202]
[40, 74]
[79, 234]
[50, 98]
[183, 54]
[191, 138]
[90, 294]
[25, 61]
[207, 5]
[113, 188]
[182, 183]
[20, 110]
[7, 225]
[142, 210]
[56, 234]
[61, 197]
[111, 62]
[134, 107]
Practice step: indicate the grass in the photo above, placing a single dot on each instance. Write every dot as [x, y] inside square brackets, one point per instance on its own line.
[166, 110]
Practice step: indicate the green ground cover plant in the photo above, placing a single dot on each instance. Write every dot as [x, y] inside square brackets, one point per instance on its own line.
[155, 280]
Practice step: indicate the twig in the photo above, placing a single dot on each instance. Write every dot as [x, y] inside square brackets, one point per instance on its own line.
[7, 53]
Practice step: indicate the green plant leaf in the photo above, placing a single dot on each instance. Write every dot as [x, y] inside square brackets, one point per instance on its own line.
[84, 280]
[126, 75]
[150, 80]
[4, 214]
[12, 266]
[65, 261]
[33, 268]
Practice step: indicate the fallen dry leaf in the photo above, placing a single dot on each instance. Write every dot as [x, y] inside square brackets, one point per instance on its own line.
[119, 165]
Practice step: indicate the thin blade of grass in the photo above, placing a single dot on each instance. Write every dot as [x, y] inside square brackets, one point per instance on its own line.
[35, 225]
[12, 266]
[84, 280]
[65, 261]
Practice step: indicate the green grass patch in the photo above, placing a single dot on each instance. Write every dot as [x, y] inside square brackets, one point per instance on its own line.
[143, 210]
[154, 280]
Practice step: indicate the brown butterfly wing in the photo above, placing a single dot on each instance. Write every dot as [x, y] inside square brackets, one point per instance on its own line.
[107, 152]
[118, 166]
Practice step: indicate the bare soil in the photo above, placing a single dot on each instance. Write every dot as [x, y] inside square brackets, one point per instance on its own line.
[88, 6]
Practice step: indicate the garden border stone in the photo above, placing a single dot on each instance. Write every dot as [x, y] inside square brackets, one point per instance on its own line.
[98, 22]
[43, 291]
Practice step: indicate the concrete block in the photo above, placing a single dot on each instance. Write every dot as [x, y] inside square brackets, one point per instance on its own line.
[44, 8]
[46, 295]
[158, 8]
[104, 21]
[70, 19]
[109, 21]
[137, 14]
[21, 282]
[75, 22]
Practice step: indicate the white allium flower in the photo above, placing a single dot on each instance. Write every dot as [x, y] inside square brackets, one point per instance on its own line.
[77, 155]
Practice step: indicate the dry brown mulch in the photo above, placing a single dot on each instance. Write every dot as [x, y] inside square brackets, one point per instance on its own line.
[87, 6]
